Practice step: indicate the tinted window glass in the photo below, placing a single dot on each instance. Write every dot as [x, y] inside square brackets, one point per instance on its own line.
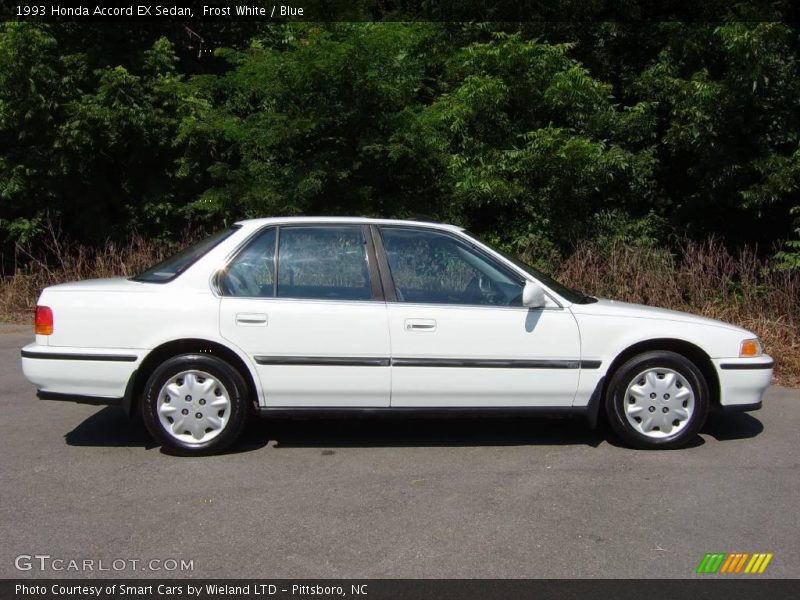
[251, 274]
[435, 268]
[178, 263]
[323, 263]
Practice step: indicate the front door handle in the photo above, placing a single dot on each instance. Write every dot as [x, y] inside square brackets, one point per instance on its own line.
[420, 325]
[251, 319]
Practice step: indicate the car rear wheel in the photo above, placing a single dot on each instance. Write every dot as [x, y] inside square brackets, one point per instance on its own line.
[195, 404]
[657, 399]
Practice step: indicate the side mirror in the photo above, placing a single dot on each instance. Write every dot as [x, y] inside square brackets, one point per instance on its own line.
[533, 295]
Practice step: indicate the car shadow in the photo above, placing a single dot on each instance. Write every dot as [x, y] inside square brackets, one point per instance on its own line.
[369, 432]
[735, 426]
[110, 427]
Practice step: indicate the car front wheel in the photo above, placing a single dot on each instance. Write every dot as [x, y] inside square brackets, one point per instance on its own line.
[657, 399]
[195, 404]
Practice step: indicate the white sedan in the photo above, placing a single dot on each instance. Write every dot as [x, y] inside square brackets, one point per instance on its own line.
[335, 315]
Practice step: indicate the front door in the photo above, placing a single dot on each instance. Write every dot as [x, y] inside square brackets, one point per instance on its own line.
[303, 302]
[459, 335]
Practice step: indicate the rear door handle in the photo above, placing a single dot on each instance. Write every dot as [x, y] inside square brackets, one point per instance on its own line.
[251, 319]
[420, 325]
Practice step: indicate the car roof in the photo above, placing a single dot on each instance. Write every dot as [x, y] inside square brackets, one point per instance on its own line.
[352, 220]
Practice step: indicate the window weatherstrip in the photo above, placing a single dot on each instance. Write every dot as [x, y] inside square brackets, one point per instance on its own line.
[276, 263]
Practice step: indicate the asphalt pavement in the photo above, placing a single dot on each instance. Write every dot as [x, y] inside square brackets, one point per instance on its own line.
[370, 498]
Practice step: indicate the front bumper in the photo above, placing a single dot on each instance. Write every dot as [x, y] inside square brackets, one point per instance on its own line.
[742, 382]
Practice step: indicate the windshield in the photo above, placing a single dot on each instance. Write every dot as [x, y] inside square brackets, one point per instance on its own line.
[565, 292]
[176, 264]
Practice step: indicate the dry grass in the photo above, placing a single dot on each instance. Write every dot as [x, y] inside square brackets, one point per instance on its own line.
[71, 262]
[706, 279]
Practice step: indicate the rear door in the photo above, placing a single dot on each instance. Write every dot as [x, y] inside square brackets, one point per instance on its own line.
[459, 334]
[304, 302]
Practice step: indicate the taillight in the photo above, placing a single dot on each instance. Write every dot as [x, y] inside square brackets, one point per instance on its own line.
[43, 324]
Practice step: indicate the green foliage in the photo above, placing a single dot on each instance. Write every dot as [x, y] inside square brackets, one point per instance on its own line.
[310, 123]
[533, 135]
[529, 136]
[89, 147]
[789, 256]
[616, 228]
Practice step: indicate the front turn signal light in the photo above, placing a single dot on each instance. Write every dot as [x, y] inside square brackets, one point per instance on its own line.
[751, 347]
[43, 323]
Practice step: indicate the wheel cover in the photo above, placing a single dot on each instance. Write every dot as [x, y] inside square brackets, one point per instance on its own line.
[659, 402]
[193, 407]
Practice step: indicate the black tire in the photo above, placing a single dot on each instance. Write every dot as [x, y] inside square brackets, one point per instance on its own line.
[624, 376]
[233, 387]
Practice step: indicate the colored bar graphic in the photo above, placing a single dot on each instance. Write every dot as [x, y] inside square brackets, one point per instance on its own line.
[726, 566]
[758, 563]
[711, 563]
[703, 564]
[741, 562]
[724, 563]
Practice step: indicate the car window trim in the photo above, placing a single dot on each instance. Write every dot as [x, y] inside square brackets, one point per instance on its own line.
[382, 262]
[375, 279]
[276, 261]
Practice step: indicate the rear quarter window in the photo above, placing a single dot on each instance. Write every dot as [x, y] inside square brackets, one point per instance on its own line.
[176, 264]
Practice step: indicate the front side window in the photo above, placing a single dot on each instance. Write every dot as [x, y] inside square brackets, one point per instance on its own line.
[436, 268]
[324, 263]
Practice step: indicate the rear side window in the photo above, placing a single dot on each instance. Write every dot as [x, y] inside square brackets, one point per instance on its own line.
[323, 263]
[312, 262]
[176, 264]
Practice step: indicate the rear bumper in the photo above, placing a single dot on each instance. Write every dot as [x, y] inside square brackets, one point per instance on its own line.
[93, 400]
[742, 382]
[72, 373]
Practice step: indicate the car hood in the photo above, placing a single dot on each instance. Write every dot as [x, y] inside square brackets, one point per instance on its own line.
[615, 308]
[113, 284]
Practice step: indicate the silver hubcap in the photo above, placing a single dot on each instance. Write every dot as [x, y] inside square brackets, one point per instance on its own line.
[659, 402]
[193, 407]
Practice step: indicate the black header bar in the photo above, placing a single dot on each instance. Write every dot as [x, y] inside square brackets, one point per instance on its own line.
[280, 11]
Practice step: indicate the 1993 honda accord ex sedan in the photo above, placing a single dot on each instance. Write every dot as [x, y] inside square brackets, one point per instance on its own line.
[315, 315]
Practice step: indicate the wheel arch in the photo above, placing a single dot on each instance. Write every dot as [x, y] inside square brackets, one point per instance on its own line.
[167, 350]
[687, 349]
